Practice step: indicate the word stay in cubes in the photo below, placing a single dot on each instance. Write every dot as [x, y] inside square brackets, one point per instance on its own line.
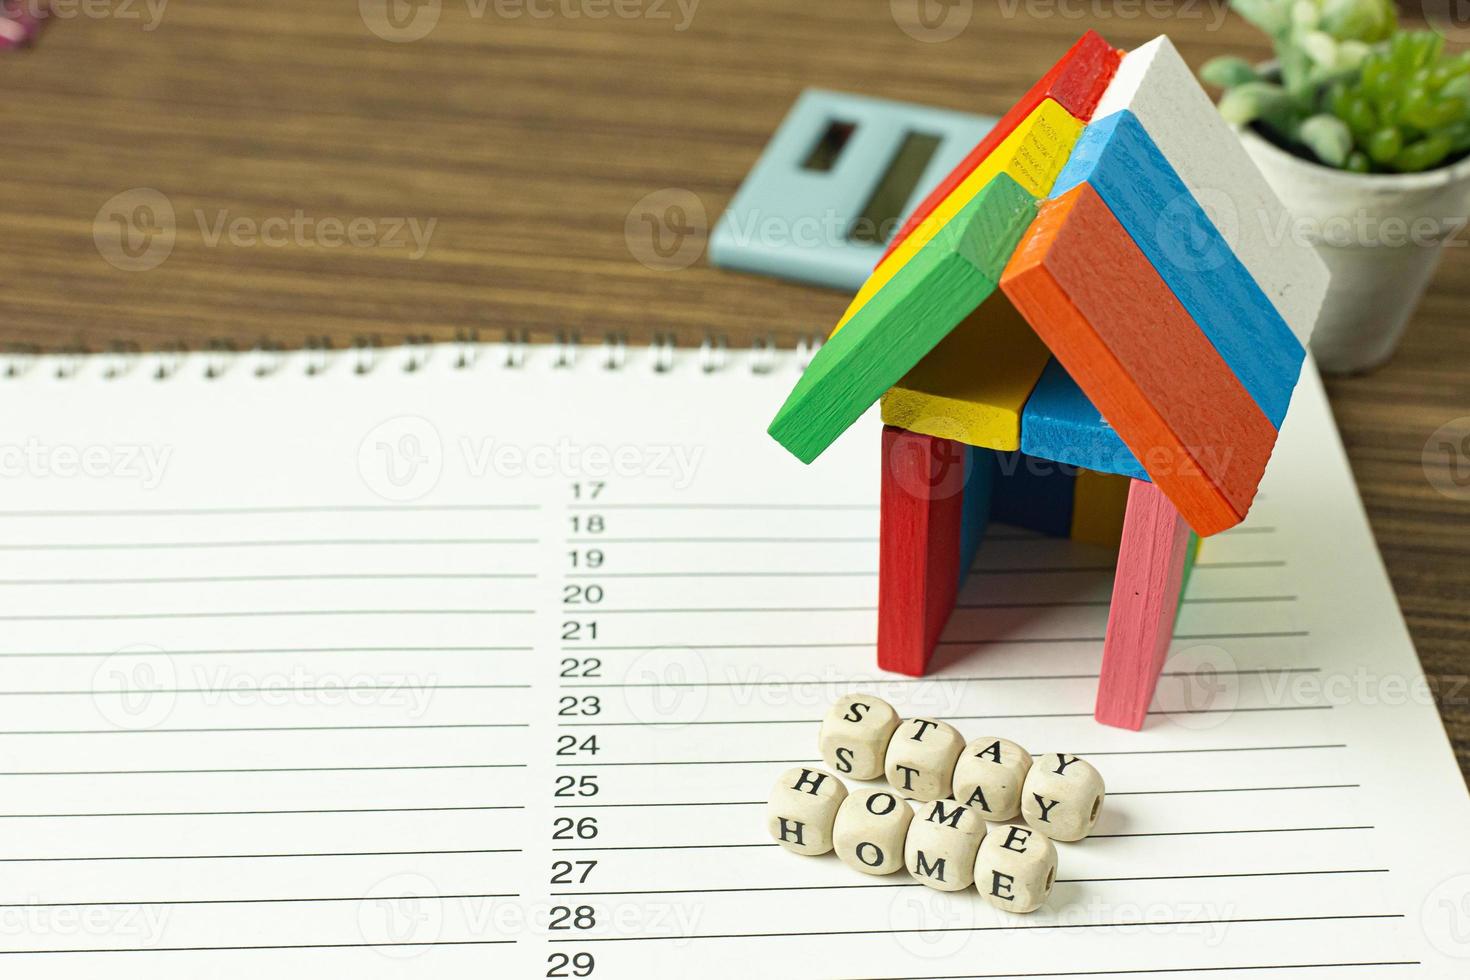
[966, 793]
[1062, 336]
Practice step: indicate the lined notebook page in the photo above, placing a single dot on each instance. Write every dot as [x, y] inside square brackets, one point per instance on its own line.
[487, 672]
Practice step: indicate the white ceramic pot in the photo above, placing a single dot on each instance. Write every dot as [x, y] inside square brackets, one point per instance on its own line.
[1381, 235]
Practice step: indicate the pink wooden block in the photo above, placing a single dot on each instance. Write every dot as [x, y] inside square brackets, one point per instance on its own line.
[1145, 599]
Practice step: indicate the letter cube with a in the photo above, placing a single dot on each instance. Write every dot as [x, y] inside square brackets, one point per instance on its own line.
[989, 777]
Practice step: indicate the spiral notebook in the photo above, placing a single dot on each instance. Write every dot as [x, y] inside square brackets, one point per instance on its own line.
[481, 661]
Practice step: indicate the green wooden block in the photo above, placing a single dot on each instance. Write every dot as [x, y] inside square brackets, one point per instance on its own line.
[941, 285]
[1191, 553]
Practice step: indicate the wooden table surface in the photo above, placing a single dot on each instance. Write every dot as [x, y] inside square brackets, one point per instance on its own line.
[530, 130]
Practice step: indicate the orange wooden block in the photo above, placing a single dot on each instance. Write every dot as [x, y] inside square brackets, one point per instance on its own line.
[1102, 309]
[1151, 568]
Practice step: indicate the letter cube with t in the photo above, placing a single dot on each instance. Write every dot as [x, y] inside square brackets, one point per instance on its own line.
[855, 735]
[989, 777]
[1062, 797]
[942, 843]
[872, 825]
[803, 809]
[921, 757]
[1016, 868]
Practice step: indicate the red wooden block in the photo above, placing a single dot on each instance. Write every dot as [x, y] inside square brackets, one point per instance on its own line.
[1146, 591]
[918, 545]
[1101, 307]
[1076, 83]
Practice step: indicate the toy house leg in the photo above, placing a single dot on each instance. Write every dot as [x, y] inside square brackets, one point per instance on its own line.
[1151, 566]
[919, 543]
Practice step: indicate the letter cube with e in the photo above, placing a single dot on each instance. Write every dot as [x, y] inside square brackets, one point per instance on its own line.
[921, 757]
[942, 843]
[1016, 868]
[872, 825]
[855, 735]
[803, 808]
[1062, 797]
[989, 777]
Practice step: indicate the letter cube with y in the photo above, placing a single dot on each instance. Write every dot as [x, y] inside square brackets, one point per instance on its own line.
[942, 843]
[872, 825]
[803, 809]
[1016, 868]
[921, 757]
[1062, 797]
[989, 777]
[855, 735]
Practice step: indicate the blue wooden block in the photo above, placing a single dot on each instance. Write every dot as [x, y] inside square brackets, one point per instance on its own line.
[1033, 493]
[1119, 159]
[1060, 423]
[979, 488]
[795, 214]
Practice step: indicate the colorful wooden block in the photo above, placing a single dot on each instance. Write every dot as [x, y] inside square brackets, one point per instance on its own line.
[1146, 589]
[1033, 493]
[1099, 502]
[1061, 423]
[920, 515]
[974, 385]
[975, 515]
[1033, 154]
[945, 282]
[1075, 83]
[1155, 84]
[801, 211]
[1116, 157]
[1085, 287]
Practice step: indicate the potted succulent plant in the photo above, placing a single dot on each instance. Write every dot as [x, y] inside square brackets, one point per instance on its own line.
[1363, 130]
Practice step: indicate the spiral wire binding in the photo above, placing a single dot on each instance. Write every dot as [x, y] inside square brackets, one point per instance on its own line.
[221, 356]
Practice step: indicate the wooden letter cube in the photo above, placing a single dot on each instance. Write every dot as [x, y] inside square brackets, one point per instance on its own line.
[1016, 868]
[1062, 797]
[803, 809]
[921, 757]
[855, 735]
[942, 843]
[872, 825]
[989, 777]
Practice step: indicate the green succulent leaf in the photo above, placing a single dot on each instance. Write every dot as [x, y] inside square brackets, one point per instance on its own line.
[1228, 71]
[1422, 154]
[1385, 144]
[1328, 137]
[1357, 163]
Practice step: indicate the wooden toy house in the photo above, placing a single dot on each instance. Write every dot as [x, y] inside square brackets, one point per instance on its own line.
[1105, 282]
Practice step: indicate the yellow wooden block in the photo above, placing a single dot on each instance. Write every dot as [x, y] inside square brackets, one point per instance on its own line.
[1033, 154]
[1098, 504]
[974, 385]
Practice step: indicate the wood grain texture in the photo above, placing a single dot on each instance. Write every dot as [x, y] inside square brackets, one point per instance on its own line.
[1061, 423]
[1119, 160]
[974, 385]
[932, 294]
[1146, 589]
[533, 141]
[1075, 83]
[1032, 156]
[1155, 84]
[921, 515]
[1166, 391]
